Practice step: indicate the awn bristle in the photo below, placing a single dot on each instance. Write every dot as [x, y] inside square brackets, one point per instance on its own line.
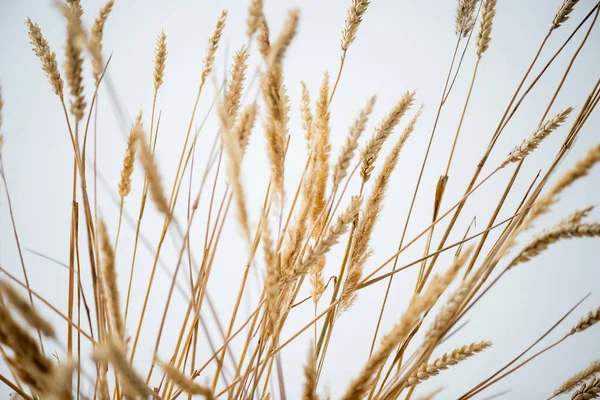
[109, 279]
[578, 378]
[332, 236]
[465, 17]
[74, 59]
[588, 391]
[426, 370]
[113, 351]
[590, 319]
[307, 118]
[129, 159]
[485, 28]
[347, 154]
[364, 229]
[419, 304]
[96, 39]
[26, 310]
[186, 384]
[41, 49]
[213, 45]
[322, 148]
[277, 50]
[520, 152]
[310, 375]
[151, 170]
[244, 124]
[382, 132]
[553, 235]
[255, 14]
[353, 20]
[235, 85]
[563, 13]
[160, 59]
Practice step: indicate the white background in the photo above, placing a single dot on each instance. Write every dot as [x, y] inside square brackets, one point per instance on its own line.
[401, 45]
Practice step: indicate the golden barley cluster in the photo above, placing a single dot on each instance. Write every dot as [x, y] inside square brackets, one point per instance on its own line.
[300, 222]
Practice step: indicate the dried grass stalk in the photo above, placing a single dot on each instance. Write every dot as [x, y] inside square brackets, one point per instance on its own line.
[485, 28]
[347, 154]
[307, 118]
[353, 20]
[272, 278]
[321, 148]
[520, 152]
[109, 280]
[465, 17]
[244, 124]
[426, 370]
[186, 384]
[578, 378]
[277, 50]
[41, 48]
[160, 59]
[263, 38]
[382, 132]
[95, 44]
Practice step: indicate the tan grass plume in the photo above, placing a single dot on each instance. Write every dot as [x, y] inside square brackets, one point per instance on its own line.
[465, 17]
[129, 159]
[353, 20]
[563, 13]
[160, 59]
[95, 44]
[578, 378]
[213, 45]
[42, 50]
[485, 29]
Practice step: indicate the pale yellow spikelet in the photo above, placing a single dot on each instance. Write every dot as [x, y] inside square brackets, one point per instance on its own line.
[588, 391]
[112, 351]
[485, 28]
[330, 238]
[307, 118]
[109, 280]
[263, 38]
[74, 59]
[347, 153]
[578, 378]
[353, 19]
[322, 149]
[419, 304]
[520, 152]
[95, 44]
[213, 45]
[26, 310]
[427, 370]
[563, 13]
[310, 376]
[382, 132]
[560, 231]
[129, 159]
[584, 323]
[234, 153]
[465, 17]
[272, 279]
[236, 82]
[41, 49]
[364, 229]
[317, 281]
[279, 47]
[244, 124]
[186, 384]
[160, 59]
[255, 13]
[151, 170]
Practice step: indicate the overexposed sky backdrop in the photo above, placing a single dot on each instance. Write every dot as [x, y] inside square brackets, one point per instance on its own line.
[401, 45]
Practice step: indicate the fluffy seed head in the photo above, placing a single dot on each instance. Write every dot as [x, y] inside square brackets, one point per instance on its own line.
[353, 20]
[465, 17]
[160, 58]
[213, 45]
[41, 48]
[95, 44]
